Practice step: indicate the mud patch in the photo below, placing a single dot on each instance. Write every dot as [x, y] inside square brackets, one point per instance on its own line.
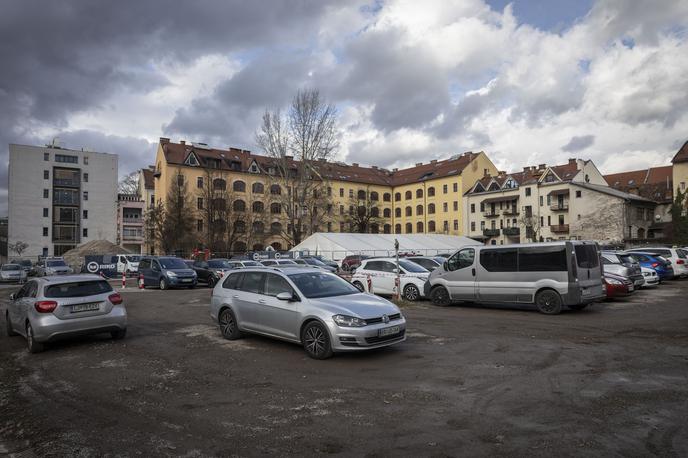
[212, 334]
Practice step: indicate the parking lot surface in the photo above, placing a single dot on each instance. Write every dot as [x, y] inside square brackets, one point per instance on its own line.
[610, 380]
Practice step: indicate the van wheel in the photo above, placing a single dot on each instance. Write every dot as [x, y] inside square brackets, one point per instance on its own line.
[548, 302]
[411, 293]
[359, 285]
[163, 284]
[440, 296]
[10, 331]
[578, 306]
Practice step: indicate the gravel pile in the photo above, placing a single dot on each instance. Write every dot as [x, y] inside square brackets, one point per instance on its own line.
[75, 257]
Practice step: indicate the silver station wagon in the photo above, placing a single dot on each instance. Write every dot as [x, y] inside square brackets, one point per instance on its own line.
[311, 307]
[51, 308]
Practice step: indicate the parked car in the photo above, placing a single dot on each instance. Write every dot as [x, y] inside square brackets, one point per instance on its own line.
[656, 262]
[52, 266]
[241, 263]
[128, 263]
[617, 285]
[549, 275]
[166, 272]
[650, 276]
[352, 261]
[677, 256]
[277, 262]
[314, 262]
[314, 308]
[320, 258]
[12, 273]
[620, 263]
[211, 271]
[383, 274]
[429, 262]
[27, 265]
[50, 308]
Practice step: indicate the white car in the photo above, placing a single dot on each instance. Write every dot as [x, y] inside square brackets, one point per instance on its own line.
[650, 276]
[677, 256]
[378, 276]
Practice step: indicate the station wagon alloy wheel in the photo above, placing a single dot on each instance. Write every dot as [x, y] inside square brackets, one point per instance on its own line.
[228, 325]
[411, 293]
[548, 302]
[316, 341]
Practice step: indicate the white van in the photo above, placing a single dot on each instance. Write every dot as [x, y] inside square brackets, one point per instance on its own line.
[549, 275]
[128, 263]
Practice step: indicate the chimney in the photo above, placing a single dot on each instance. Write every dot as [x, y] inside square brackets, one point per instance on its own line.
[355, 164]
[434, 161]
[418, 164]
[542, 166]
[164, 140]
[375, 167]
[395, 169]
[572, 161]
[526, 169]
[182, 142]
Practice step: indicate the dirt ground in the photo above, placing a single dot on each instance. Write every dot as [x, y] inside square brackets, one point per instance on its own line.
[469, 381]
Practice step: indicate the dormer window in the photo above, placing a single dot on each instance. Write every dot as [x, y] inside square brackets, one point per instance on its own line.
[236, 166]
[254, 168]
[191, 160]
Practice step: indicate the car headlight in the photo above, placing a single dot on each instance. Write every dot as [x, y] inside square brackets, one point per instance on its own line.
[349, 321]
[612, 281]
[171, 274]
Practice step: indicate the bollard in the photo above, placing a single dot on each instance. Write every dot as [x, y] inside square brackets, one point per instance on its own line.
[124, 279]
[370, 284]
[142, 285]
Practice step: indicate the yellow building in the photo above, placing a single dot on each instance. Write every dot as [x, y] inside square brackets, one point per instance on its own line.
[426, 198]
[680, 168]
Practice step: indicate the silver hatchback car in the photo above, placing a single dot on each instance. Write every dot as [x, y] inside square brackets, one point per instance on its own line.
[311, 307]
[50, 308]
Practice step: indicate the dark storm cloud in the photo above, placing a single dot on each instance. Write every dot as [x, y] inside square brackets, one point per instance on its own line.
[578, 143]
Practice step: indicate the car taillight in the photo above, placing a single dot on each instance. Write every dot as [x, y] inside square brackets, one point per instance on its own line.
[116, 298]
[655, 264]
[45, 306]
[680, 261]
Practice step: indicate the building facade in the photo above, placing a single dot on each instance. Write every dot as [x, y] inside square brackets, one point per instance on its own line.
[60, 198]
[425, 198]
[562, 202]
[130, 223]
[680, 168]
[146, 192]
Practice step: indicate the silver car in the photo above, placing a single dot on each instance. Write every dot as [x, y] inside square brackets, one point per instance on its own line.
[311, 307]
[53, 266]
[13, 273]
[51, 308]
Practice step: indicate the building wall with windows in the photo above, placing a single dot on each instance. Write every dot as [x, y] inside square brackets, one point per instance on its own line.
[680, 169]
[61, 198]
[130, 223]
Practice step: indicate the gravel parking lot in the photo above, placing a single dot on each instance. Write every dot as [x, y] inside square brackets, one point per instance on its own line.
[611, 380]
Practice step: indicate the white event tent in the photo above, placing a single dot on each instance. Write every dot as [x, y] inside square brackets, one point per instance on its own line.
[336, 246]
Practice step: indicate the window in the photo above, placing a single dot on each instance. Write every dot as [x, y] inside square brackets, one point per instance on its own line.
[461, 260]
[542, 200]
[397, 228]
[456, 187]
[419, 193]
[45, 213]
[397, 212]
[275, 189]
[180, 180]
[275, 208]
[46, 174]
[431, 226]
[85, 195]
[386, 197]
[239, 206]
[199, 225]
[419, 210]
[472, 208]
[351, 193]
[341, 192]
[361, 194]
[66, 159]
[85, 232]
[85, 214]
[431, 209]
[238, 186]
[46, 156]
[456, 205]
[579, 193]
[387, 213]
[445, 207]
[456, 224]
[199, 182]
[257, 188]
[253, 282]
[409, 195]
[586, 256]
[445, 189]
[445, 226]
[199, 203]
[431, 191]
[276, 285]
[397, 196]
[472, 226]
[85, 160]
[409, 211]
[85, 177]
[542, 259]
[46, 193]
[500, 260]
[527, 192]
[258, 207]
[419, 227]
[374, 196]
[409, 228]
[45, 232]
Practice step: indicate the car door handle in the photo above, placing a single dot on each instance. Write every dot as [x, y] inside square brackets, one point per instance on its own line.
[473, 271]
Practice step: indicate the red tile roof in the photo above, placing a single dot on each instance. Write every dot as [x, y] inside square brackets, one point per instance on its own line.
[654, 183]
[531, 174]
[148, 181]
[681, 155]
[176, 153]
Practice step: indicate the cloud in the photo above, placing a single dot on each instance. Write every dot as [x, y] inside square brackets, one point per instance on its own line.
[577, 144]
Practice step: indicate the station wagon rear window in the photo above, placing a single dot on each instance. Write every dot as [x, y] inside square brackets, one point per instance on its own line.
[78, 289]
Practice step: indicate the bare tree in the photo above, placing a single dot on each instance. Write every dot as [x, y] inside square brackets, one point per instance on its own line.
[531, 225]
[154, 224]
[18, 247]
[298, 143]
[363, 214]
[178, 227]
[129, 184]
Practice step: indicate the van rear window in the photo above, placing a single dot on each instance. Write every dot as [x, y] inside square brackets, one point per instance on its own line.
[542, 259]
[78, 289]
[587, 257]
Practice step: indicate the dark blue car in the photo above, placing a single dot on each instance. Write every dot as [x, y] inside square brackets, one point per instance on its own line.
[653, 261]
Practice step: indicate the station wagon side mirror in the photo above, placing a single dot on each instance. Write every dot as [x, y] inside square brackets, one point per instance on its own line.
[445, 266]
[285, 296]
[12, 296]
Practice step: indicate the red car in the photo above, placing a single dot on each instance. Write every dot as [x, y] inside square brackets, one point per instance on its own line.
[617, 286]
[352, 261]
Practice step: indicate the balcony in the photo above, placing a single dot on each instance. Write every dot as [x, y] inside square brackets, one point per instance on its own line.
[511, 212]
[66, 183]
[137, 221]
[511, 231]
[558, 206]
[490, 232]
[559, 228]
[490, 213]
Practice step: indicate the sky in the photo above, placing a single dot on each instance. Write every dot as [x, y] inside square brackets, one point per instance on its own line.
[528, 82]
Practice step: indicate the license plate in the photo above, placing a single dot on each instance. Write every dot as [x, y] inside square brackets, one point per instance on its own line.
[84, 307]
[187, 280]
[388, 331]
[630, 287]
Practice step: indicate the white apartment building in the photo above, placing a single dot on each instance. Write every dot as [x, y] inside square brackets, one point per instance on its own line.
[60, 198]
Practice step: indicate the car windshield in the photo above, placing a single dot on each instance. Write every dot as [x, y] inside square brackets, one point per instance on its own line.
[11, 267]
[78, 289]
[24, 262]
[409, 266]
[626, 259]
[314, 262]
[320, 284]
[57, 263]
[612, 258]
[133, 258]
[285, 262]
[251, 264]
[219, 264]
[172, 263]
